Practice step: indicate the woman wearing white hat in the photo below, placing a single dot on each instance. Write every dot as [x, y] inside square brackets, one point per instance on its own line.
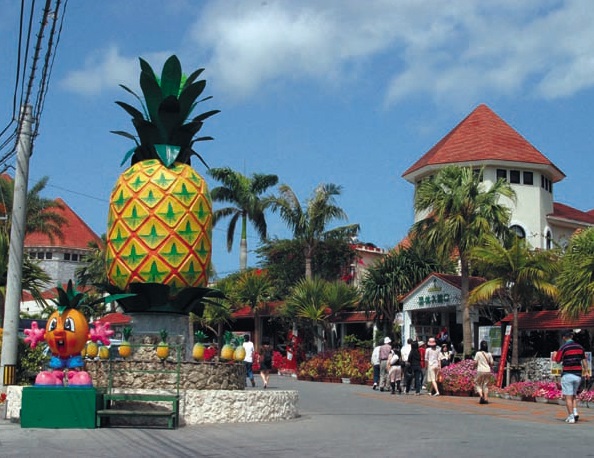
[385, 351]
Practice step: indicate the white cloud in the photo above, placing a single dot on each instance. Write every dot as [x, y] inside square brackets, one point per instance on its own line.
[543, 48]
[462, 52]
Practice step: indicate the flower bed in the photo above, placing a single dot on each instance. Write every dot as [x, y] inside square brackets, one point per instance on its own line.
[337, 364]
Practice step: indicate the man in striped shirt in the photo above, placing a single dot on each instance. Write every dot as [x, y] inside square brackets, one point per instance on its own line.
[572, 356]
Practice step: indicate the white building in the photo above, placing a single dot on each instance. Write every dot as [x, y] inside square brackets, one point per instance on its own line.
[484, 140]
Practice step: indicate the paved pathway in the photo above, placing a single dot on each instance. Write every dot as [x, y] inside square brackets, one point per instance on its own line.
[337, 421]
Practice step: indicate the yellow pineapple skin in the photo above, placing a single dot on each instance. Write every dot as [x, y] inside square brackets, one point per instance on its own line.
[162, 350]
[92, 350]
[227, 352]
[125, 350]
[103, 352]
[159, 227]
[239, 354]
[198, 351]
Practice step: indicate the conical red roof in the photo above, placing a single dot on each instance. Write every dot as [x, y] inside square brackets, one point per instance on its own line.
[482, 136]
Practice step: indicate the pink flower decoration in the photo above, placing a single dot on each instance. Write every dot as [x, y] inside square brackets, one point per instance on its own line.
[101, 333]
[34, 335]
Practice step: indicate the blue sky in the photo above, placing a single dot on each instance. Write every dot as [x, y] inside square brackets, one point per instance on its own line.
[316, 91]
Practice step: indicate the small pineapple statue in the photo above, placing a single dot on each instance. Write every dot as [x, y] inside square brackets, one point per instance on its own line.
[163, 347]
[125, 349]
[198, 349]
[227, 350]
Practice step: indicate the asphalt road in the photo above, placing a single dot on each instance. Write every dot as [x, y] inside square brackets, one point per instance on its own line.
[336, 420]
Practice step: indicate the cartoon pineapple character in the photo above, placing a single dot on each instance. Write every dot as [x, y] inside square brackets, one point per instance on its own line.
[160, 212]
[163, 346]
[125, 350]
[198, 349]
[227, 350]
[239, 353]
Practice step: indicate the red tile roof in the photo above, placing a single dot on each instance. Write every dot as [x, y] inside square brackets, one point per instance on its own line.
[52, 293]
[565, 212]
[76, 232]
[482, 136]
[549, 319]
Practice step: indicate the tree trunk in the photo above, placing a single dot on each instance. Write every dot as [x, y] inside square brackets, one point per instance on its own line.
[243, 245]
[243, 255]
[466, 324]
[257, 329]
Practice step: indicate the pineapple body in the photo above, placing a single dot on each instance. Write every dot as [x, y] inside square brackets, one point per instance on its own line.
[125, 350]
[162, 350]
[103, 352]
[92, 349]
[227, 352]
[159, 227]
[239, 354]
[198, 351]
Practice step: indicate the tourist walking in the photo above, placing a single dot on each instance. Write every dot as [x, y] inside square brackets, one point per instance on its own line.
[484, 364]
[248, 359]
[432, 364]
[384, 352]
[375, 363]
[395, 371]
[265, 362]
[414, 360]
[573, 358]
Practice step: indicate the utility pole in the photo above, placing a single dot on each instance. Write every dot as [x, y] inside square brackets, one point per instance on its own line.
[15, 253]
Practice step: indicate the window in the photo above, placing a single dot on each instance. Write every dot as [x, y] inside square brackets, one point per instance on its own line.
[48, 255]
[546, 184]
[514, 176]
[66, 256]
[40, 256]
[519, 231]
[478, 173]
[528, 178]
[502, 174]
[549, 240]
[75, 257]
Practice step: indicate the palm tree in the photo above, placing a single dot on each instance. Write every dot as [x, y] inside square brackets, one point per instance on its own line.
[309, 224]
[316, 301]
[41, 216]
[253, 288]
[394, 276]
[460, 210]
[94, 272]
[516, 275]
[243, 193]
[576, 277]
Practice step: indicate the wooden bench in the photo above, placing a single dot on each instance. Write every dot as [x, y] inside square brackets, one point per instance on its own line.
[125, 404]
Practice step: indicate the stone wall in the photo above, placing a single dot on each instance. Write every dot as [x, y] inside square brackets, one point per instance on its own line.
[162, 375]
[204, 406]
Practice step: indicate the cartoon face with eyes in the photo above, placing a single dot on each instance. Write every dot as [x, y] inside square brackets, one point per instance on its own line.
[67, 333]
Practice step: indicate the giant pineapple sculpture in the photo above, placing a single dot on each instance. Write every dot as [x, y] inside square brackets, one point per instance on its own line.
[160, 213]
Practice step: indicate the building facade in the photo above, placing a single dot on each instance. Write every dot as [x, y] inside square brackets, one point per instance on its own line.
[485, 141]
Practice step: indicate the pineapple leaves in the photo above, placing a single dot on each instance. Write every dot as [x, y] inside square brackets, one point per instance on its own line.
[167, 153]
[195, 74]
[171, 77]
[152, 93]
[164, 116]
[136, 114]
[188, 96]
[128, 155]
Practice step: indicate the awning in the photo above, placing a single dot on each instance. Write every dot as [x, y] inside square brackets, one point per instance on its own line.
[114, 319]
[549, 320]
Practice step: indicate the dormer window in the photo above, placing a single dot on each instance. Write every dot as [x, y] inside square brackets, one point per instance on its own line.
[518, 231]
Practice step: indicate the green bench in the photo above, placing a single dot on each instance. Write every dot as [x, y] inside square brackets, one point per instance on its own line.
[117, 404]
